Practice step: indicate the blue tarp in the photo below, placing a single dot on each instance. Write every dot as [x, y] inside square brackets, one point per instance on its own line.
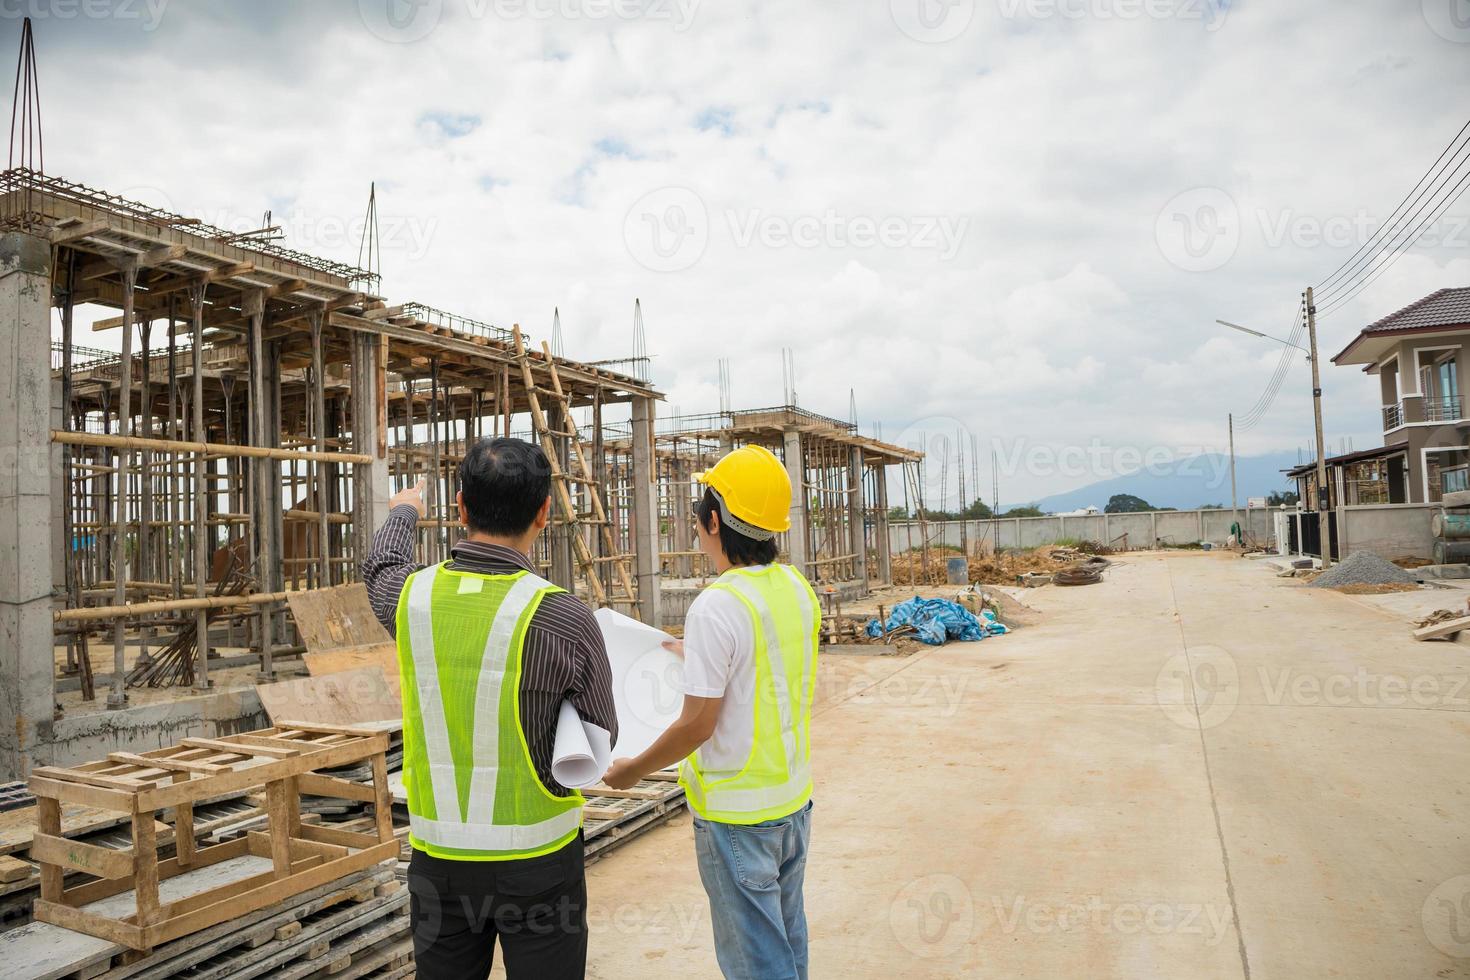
[938, 621]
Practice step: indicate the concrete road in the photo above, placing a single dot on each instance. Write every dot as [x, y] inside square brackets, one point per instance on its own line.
[1193, 770]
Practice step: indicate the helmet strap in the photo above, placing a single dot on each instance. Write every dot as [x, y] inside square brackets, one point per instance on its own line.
[736, 524]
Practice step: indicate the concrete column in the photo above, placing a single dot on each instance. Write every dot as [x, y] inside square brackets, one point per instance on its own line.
[856, 514]
[797, 545]
[27, 461]
[370, 491]
[646, 564]
[1153, 529]
[885, 545]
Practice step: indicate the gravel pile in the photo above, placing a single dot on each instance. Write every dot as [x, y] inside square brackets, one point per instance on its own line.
[1363, 568]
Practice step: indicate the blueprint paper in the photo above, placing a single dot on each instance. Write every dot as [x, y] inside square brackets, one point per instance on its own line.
[582, 751]
[647, 680]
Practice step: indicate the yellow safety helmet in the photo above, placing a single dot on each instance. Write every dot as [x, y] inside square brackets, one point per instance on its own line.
[753, 490]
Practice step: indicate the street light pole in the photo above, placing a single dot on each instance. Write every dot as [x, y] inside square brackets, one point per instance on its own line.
[1324, 529]
[1234, 505]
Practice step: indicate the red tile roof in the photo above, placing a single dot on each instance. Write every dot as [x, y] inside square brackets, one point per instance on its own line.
[1441, 309]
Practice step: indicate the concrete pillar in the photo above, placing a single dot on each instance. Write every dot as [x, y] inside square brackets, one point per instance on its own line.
[27, 461]
[646, 564]
[797, 545]
[370, 490]
[856, 514]
[885, 545]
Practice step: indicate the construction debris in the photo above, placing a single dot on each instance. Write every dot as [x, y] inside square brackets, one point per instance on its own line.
[936, 621]
[1443, 624]
[1363, 568]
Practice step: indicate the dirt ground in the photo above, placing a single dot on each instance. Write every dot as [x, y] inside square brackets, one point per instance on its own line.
[1194, 769]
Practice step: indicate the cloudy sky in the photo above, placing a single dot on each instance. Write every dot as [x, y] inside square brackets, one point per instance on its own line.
[1012, 219]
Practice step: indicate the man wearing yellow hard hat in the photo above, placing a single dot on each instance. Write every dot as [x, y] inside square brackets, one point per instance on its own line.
[750, 661]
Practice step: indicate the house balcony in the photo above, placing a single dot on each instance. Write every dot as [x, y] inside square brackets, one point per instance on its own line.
[1446, 409]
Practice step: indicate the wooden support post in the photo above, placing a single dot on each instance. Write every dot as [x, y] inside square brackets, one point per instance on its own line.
[885, 547]
[145, 867]
[48, 821]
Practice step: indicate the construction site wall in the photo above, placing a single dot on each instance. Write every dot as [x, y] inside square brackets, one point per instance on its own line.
[1141, 530]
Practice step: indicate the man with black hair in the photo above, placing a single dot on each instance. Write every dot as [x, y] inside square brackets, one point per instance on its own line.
[750, 661]
[487, 653]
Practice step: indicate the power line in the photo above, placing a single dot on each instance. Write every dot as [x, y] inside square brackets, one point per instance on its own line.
[1454, 195]
[1392, 219]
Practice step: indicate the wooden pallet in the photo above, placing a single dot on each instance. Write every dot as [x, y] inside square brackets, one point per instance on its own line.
[285, 760]
[40, 951]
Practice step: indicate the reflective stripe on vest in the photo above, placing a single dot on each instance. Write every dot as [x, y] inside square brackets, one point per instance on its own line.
[747, 796]
[477, 836]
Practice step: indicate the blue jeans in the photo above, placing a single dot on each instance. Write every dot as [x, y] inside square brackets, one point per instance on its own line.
[753, 875]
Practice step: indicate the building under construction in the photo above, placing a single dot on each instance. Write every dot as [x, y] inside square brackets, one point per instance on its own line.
[236, 439]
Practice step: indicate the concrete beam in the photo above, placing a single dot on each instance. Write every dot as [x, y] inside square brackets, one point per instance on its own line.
[645, 513]
[28, 461]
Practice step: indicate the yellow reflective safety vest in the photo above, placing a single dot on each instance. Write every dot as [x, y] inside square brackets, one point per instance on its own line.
[776, 779]
[473, 792]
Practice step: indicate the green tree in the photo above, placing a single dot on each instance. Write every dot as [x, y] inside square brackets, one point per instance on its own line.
[1279, 498]
[1027, 511]
[1126, 503]
[977, 511]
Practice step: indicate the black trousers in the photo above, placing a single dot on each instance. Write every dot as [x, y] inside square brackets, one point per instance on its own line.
[536, 906]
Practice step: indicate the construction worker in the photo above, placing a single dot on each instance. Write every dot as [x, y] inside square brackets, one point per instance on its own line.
[487, 652]
[750, 660]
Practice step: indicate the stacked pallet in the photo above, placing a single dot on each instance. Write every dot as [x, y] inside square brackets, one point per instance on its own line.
[354, 927]
[293, 898]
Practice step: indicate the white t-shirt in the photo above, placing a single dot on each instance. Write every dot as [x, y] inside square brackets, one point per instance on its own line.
[719, 662]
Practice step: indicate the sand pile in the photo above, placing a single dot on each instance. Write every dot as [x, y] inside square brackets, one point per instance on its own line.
[1363, 568]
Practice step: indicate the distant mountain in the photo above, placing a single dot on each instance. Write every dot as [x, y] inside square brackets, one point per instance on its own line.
[1185, 484]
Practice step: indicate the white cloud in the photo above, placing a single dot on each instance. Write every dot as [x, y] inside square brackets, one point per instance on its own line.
[1048, 144]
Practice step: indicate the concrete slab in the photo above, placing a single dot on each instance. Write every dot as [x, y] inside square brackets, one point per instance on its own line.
[1194, 769]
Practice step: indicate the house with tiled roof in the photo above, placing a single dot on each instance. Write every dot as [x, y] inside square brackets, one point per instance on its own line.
[1420, 357]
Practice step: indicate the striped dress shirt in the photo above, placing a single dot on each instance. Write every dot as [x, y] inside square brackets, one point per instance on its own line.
[564, 658]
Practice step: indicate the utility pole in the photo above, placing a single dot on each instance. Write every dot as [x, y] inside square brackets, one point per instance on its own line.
[1323, 528]
[1234, 506]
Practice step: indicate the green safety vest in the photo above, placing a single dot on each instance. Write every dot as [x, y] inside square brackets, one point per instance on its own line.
[473, 792]
[776, 779]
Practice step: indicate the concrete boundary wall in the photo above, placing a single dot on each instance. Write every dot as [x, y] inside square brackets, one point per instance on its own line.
[1388, 530]
[1146, 530]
